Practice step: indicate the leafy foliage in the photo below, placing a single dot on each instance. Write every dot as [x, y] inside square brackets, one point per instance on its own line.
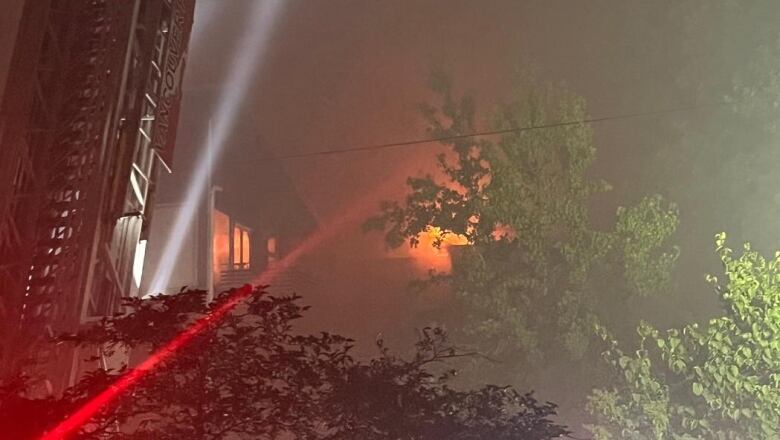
[532, 279]
[250, 376]
[718, 163]
[407, 401]
[719, 381]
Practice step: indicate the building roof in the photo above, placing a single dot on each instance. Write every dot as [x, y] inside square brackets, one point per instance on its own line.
[258, 194]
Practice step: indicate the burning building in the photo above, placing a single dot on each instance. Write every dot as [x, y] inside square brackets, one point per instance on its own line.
[236, 231]
[89, 116]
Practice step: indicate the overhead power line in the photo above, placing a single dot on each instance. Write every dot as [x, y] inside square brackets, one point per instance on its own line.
[408, 143]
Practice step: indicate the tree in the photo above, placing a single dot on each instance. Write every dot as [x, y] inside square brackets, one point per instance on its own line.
[718, 162]
[250, 376]
[536, 275]
[407, 401]
[720, 380]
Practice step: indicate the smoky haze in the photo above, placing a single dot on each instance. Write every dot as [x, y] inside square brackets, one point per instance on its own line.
[347, 73]
[344, 73]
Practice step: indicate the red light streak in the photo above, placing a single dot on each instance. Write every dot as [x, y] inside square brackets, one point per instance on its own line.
[356, 212]
[80, 417]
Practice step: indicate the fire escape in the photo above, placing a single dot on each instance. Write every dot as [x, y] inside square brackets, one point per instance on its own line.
[30, 117]
[87, 158]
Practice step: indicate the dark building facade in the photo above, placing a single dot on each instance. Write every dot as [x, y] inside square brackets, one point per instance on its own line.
[87, 123]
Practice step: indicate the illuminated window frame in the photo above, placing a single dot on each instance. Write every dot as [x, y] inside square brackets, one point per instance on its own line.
[240, 246]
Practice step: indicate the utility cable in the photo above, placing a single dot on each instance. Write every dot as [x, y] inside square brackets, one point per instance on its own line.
[442, 139]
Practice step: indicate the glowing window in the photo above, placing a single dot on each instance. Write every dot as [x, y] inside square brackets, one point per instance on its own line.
[231, 243]
[237, 245]
[241, 247]
[271, 248]
[245, 246]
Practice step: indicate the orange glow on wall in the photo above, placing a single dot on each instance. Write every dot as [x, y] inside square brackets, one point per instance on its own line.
[501, 232]
[271, 248]
[429, 257]
[221, 244]
[435, 233]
